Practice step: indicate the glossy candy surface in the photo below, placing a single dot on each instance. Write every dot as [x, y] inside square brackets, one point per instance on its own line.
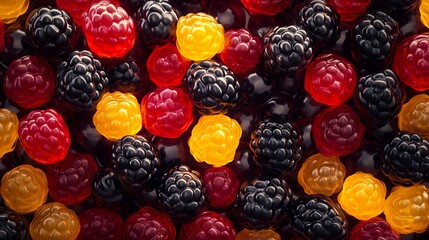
[100, 223]
[222, 186]
[8, 131]
[349, 10]
[10, 10]
[208, 226]
[267, 234]
[265, 7]
[424, 12]
[373, 229]
[414, 115]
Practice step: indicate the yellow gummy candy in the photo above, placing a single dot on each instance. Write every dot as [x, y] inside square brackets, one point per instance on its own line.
[9, 125]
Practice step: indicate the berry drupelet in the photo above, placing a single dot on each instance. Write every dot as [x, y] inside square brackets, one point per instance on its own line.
[372, 229]
[12, 225]
[100, 223]
[222, 186]
[126, 76]
[208, 226]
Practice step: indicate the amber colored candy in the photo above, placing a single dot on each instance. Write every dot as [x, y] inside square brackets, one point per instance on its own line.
[54, 221]
[322, 175]
[424, 12]
[266, 234]
[10, 10]
[8, 131]
[414, 115]
[407, 209]
[363, 196]
[214, 139]
[118, 114]
[24, 188]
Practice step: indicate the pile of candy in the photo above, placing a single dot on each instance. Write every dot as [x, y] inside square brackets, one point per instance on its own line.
[214, 119]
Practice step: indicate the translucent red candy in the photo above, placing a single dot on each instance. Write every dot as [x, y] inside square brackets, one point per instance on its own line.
[75, 8]
[349, 10]
[100, 223]
[337, 131]
[208, 226]
[29, 81]
[69, 181]
[266, 7]
[166, 66]
[329, 79]
[374, 229]
[167, 112]
[222, 186]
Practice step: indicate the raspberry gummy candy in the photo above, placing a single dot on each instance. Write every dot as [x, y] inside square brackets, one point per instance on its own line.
[406, 209]
[10, 10]
[330, 79]
[75, 8]
[69, 181]
[12, 225]
[109, 31]
[148, 223]
[266, 234]
[242, 50]
[373, 229]
[266, 7]
[363, 196]
[337, 131]
[167, 112]
[29, 82]
[414, 114]
[118, 114]
[54, 221]
[166, 66]
[215, 139]
[322, 175]
[8, 131]
[44, 136]
[100, 223]
[222, 186]
[349, 10]
[208, 226]
[199, 36]
[24, 188]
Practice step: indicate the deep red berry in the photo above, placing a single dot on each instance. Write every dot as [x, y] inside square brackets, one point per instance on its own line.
[110, 32]
[222, 186]
[330, 79]
[208, 226]
[337, 131]
[1, 35]
[29, 81]
[373, 229]
[148, 223]
[166, 66]
[44, 136]
[75, 8]
[69, 181]
[266, 7]
[349, 10]
[100, 223]
[242, 50]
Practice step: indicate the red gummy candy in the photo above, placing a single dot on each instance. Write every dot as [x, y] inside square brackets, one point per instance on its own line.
[373, 229]
[222, 186]
[44, 136]
[349, 10]
[167, 112]
[69, 181]
[330, 79]
[75, 8]
[166, 66]
[29, 81]
[208, 226]
[337, 131]
[100, 223]
[266, 7]
[109, 31]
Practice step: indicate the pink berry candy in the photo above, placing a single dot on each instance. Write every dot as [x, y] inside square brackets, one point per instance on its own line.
[208, 226]
[222, 186]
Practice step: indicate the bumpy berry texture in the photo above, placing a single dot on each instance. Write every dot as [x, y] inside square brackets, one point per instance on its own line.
[322, 175]
[363, 196]
[411, 63]
[75, 8]
[12, 225]
[262, 203]
[349, 10]
[81, 81]
[8, 131]
[126, 76]
[199, 37]
[212, 87]
[109, 31]
[24, 188]
[266, 7]
[29, 82]
[373, 229]
[337, 131]
[156, 22]
[374, 39]
[135, 162]
[407, 210]
[208, 226]
[148, 223]
[182, 193]
[330, 79]
[406, 159]
[315, 217]
[100, 223]
[276, 146]
[54, 221]
[321, 21]
[12, 9]
[247, 234]
[424, 12]
[44, 136]
[69, 181]
[379, 96]
[242, 50]
[215, 139]
[222, 186]
[167, 112]
[52, 31]
[414, 114]
[118, 114]
[108, 190]
[287, 50]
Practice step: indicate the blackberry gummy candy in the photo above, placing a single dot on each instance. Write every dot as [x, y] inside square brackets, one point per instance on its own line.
[126, 76]
[266, 7]
[266, 234]
[12, 225]
[10, 10]
[373, 229]
[8, 131]
[413, 115]
[100, 223]
[108, 190]
[208, 226]
[222, 186]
